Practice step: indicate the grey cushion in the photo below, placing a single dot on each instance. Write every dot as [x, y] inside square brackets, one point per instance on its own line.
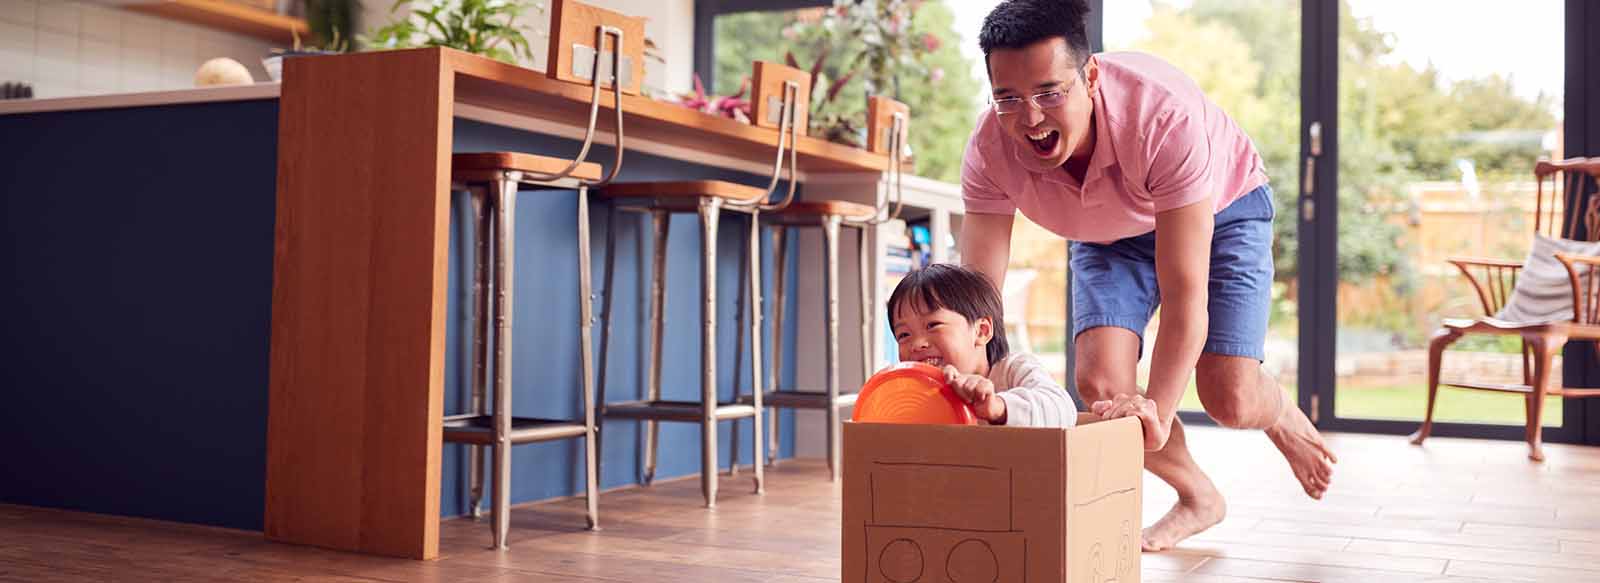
[1544, 290]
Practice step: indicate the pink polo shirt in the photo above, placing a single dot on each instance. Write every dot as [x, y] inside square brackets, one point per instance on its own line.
[1159, 145]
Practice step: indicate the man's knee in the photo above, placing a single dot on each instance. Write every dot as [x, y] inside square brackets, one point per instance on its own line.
[1096, 385]
[1230, 392]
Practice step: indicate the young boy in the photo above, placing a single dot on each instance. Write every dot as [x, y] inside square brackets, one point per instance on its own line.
[950, 317]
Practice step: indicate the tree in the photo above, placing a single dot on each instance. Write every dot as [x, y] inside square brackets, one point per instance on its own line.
[1398, 124]
[943, 102]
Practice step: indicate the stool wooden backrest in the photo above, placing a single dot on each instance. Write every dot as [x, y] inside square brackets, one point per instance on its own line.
[775, 86]
[880, 122]
[766, 100]
[576, 33]
[888, 128]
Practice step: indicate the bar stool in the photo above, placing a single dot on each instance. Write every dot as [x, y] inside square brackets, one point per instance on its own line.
[886, 130]
[708, 198]
[492, 179]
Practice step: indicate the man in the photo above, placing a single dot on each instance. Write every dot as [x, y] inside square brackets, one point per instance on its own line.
[1166, 203]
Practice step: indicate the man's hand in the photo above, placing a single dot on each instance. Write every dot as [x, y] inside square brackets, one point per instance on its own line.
[979, 393]
[1135, 405]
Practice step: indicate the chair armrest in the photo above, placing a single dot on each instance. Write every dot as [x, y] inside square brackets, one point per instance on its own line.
[1499, 277]
[1590, 166]
[1465, 262]
[1585, 304]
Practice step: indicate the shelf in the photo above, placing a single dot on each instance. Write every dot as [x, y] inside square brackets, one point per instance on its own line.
[231, 17]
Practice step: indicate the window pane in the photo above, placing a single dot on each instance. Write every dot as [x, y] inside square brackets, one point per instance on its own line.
[1246, 57]
[1438, 133]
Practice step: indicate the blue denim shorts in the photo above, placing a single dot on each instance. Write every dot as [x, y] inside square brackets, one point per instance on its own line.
[1114, 284]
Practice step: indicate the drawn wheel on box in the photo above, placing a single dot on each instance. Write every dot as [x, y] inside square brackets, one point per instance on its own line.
[901, 561]
[971, 561]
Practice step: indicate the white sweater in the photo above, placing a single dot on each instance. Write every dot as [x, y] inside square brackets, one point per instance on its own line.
[1032, 398]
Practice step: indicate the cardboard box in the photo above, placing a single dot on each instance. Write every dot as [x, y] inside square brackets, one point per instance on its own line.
[943, 503]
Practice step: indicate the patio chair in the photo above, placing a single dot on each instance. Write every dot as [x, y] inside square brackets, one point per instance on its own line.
[1547, 300]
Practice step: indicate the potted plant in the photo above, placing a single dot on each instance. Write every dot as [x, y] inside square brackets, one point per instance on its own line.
[877, 43]
[483, 27]
[330, 22]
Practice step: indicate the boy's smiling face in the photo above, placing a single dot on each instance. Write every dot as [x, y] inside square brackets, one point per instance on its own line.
[940, 337]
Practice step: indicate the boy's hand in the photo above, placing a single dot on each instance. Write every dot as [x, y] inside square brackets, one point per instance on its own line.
[978, 392]
[1135, 405]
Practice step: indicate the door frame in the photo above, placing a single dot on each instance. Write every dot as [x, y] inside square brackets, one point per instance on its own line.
[1318, 252]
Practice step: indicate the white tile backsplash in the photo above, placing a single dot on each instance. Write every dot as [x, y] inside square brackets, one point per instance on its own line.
[100, 23]
[16, 52]
[47, 89]
[179, 40]
[99, 64]
[56, 16]
[68, 48]
[141, 31]
[55, 57]
[18, 11]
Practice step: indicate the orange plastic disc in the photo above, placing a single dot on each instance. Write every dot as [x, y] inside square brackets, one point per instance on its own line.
[911, 392]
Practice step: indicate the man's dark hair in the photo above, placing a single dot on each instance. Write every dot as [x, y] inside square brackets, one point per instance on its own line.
[1015, 24]
[959, 290]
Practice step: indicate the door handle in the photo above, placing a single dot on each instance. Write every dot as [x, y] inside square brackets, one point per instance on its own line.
[1308, 207]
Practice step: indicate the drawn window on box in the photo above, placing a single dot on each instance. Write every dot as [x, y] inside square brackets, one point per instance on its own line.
[972, 538]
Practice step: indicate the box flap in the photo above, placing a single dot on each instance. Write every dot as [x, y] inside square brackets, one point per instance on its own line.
[1104, 500]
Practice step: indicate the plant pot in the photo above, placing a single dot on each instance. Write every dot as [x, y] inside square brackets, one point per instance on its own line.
[274, 63]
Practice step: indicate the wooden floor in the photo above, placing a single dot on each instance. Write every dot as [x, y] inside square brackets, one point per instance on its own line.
[1455, 510]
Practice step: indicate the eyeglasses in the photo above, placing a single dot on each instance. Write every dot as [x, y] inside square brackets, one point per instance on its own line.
[1045, 100]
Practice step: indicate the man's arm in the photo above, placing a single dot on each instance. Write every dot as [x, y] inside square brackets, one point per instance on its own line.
[1183, 267]
[986, 245]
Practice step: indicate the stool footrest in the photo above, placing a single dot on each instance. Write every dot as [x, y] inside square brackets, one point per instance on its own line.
[479, 429]
[801, 400]
[676, 410]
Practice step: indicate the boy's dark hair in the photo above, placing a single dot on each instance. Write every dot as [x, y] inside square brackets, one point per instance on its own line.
[1015, 24]
[959, 290]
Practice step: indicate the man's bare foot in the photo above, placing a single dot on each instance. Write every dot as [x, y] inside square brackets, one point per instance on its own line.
[1187, 518]
[1301, 444]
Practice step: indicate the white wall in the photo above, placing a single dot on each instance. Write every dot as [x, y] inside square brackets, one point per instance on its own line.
[66, 48]
[670, 24]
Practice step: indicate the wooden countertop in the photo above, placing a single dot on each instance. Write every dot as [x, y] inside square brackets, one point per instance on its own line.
[485, 84]
[491, 84]
[141, 99]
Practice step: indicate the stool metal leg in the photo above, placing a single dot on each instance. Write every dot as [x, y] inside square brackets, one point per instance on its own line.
[586, 354]
[479, 333]
[753, 253]
[710, 213]
[504, 278]
[830, 240]
[738, 351]
[867, 293]
[605, 333]
[662, 223]
[781, 266]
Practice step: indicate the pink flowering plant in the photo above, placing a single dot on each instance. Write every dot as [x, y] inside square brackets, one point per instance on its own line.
[875, 41]
[730, 106]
